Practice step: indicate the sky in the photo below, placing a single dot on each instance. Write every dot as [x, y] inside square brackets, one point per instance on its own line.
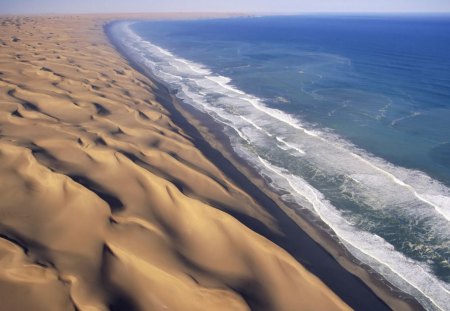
[251, 6]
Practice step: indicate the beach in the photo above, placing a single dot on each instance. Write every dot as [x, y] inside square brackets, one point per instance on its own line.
[116, 197]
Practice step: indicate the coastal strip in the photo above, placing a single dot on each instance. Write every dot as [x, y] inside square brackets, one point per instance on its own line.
[301, 230]
[112, 199]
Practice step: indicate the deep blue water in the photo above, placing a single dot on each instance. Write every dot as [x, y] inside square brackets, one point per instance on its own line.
[383, 83]
[349, 115]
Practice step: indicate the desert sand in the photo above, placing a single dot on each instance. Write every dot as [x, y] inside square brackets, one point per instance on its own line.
[106, 204]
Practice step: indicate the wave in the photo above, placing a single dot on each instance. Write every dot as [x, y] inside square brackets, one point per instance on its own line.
[364, 199]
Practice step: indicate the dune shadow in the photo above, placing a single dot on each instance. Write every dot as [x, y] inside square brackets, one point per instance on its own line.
[114, 202]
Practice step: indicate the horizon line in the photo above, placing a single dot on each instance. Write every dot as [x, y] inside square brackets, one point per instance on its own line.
[258, 13]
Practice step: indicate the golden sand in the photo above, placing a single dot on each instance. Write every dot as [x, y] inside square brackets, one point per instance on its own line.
[106, 203]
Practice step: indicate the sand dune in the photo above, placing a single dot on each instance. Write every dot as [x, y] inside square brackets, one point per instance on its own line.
[106, 203]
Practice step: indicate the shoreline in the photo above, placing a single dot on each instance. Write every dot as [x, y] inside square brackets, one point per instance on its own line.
[325, 256]
[107, 204]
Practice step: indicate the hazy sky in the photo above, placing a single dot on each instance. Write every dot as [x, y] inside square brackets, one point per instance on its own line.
[274, 6]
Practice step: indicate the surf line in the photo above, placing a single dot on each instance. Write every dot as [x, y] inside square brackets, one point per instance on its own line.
[275, 114]
[316, 209]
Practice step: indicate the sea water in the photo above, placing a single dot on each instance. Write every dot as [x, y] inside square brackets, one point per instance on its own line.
[347, 116]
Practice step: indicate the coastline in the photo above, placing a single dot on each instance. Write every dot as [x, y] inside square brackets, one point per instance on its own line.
[113, 189]
[300, 229]
[107, 204]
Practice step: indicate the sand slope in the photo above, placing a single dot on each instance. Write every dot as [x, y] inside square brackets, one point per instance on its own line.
[106, 204]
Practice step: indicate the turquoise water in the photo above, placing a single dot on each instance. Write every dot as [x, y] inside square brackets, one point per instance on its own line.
[350, 116]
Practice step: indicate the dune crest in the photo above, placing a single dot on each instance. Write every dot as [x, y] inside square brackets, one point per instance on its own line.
[106, 204]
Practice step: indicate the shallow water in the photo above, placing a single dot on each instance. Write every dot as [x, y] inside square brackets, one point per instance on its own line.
[348, 115]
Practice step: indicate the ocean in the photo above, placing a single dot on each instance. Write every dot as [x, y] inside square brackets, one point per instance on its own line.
[345, 116]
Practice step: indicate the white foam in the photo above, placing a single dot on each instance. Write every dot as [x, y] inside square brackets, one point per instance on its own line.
[371, 246]
[225, 83]
[252, 123]
[291, 146]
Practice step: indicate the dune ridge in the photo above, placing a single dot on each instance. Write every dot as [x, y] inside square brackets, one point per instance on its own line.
[106, 204]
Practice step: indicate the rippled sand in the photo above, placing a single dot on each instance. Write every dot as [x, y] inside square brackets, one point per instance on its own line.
[106, 203]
